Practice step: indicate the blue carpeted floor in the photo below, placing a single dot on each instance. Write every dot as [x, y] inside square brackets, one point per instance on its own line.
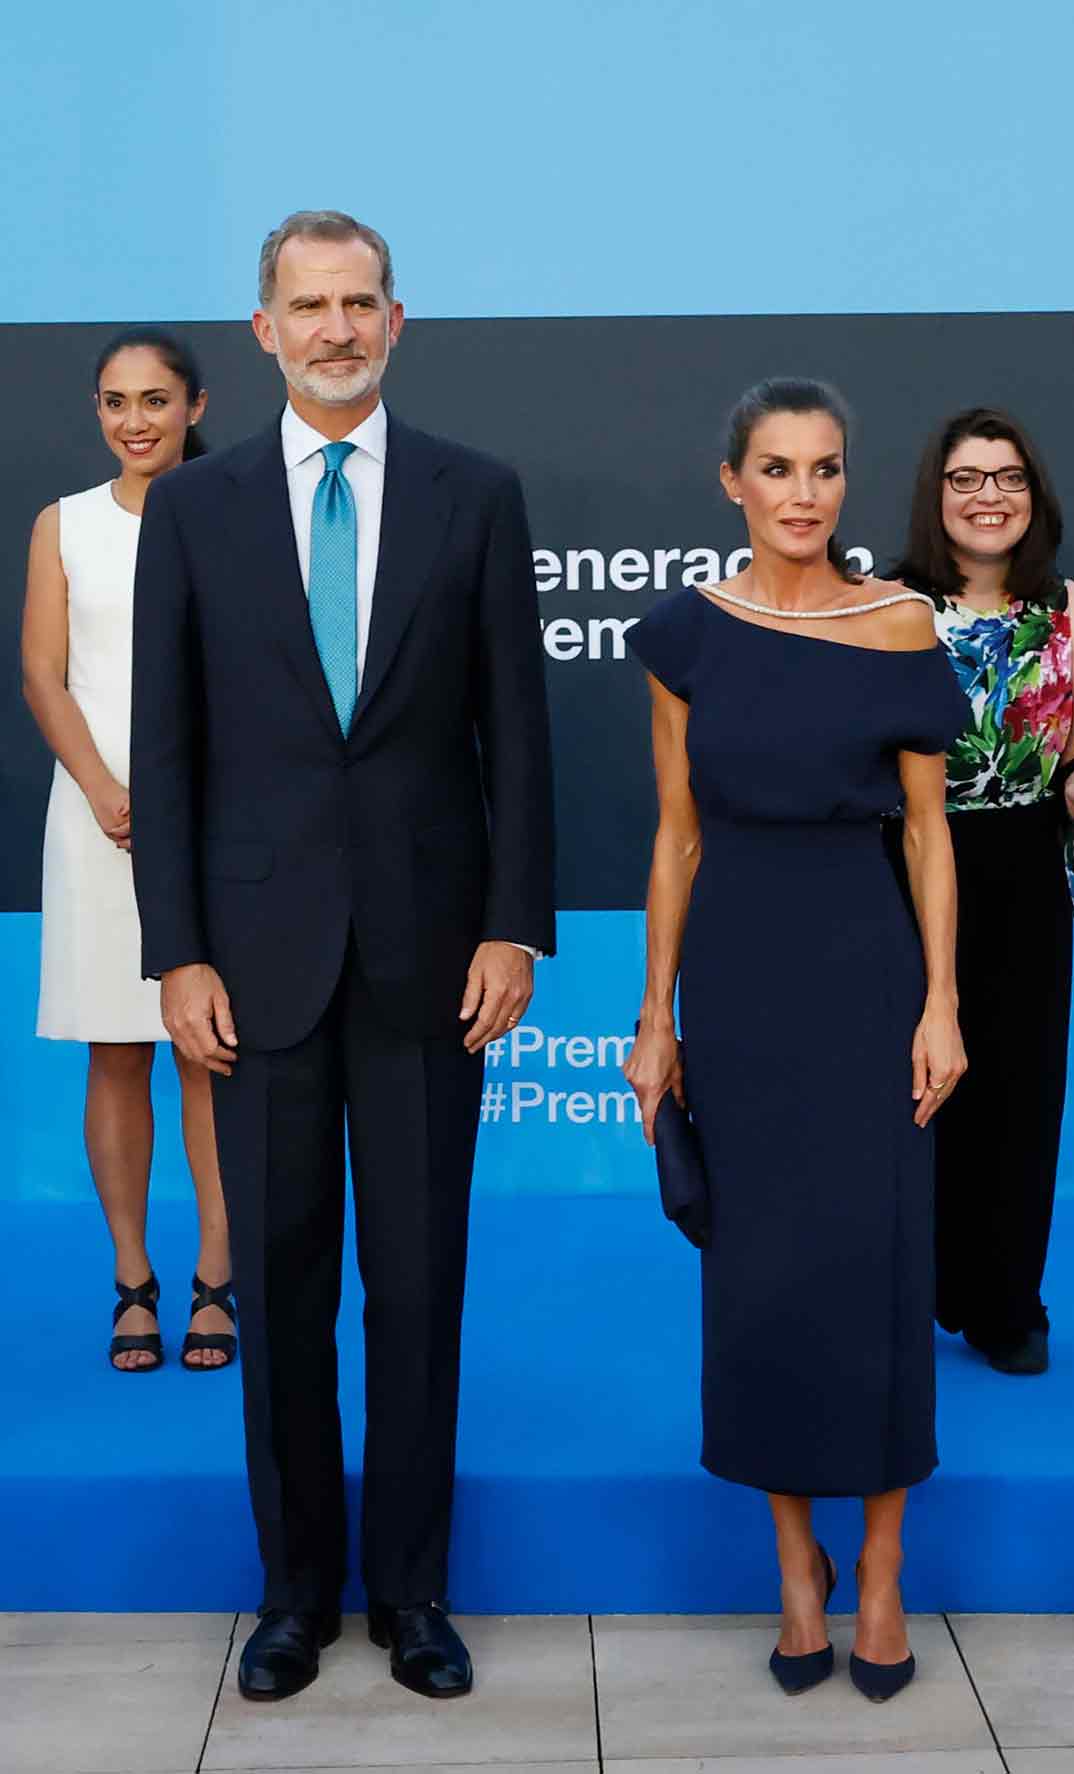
[579, 1487]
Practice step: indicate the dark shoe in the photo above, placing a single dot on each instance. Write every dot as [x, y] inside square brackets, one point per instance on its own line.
[280, 1657]
[796, 1675]
[881, 1681]
[1029, 1357]
[146, 1295]
[204, 1295]
[428, 1656]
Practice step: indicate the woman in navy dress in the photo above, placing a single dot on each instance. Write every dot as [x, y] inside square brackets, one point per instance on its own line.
[792, 708]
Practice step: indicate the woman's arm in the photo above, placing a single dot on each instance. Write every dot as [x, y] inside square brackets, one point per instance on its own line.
[654, 1066]
[44, 682]
[938, 1056]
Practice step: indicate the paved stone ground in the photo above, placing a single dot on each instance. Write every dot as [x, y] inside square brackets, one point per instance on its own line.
[155, 1694]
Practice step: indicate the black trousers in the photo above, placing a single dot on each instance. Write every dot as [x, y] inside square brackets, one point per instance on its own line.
[410, 1107]
[997, 1140]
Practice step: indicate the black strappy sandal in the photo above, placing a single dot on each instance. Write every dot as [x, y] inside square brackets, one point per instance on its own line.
[224, 1341]
[146, 1295]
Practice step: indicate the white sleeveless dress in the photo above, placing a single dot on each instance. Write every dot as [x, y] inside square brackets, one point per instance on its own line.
[91, 984]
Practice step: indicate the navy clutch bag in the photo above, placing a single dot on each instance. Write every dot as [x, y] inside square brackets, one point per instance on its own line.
[684, 1190]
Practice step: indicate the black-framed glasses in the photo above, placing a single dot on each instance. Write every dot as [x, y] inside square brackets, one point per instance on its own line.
[971, 480]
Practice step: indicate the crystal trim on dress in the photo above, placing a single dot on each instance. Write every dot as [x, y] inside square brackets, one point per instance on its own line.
[898, 597]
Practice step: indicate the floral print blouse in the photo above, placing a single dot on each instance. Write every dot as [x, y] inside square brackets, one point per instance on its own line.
[1014, 665]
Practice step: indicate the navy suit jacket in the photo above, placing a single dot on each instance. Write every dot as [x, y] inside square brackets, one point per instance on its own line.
[260, 832]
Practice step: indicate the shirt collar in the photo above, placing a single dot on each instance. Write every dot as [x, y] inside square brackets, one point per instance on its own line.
[300, 441]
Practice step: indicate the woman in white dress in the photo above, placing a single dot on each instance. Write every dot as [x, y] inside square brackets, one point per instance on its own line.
[77, 632]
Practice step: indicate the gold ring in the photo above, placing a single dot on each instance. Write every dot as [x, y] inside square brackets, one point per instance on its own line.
[512, 1021]
[939, 1088]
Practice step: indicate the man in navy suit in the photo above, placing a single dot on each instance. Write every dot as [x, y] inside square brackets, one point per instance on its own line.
[342, 841]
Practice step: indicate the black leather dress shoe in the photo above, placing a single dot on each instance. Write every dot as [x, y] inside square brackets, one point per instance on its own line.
[280, 1657]
[428, 1656]
[1028, 1357]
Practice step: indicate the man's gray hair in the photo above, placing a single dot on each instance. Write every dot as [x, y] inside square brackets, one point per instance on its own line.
[320, 224]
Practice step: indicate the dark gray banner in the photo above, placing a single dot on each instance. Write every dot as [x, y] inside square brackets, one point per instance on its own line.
[615, 426]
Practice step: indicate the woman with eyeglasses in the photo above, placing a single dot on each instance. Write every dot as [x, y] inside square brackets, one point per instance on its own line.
[985, 525]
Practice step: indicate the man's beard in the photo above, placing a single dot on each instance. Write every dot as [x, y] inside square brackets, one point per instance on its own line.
[334, 390]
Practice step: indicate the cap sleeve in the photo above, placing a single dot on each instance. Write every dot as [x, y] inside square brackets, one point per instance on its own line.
[668, 640]
[936, 710]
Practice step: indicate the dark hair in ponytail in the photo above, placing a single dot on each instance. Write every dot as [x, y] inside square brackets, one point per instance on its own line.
[176, 354]
[789, 394]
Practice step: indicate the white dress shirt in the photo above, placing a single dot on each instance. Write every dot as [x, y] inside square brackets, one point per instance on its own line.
[364, 469]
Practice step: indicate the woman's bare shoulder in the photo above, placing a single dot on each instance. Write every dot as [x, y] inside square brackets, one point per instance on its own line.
[45, 541]
[904, 627]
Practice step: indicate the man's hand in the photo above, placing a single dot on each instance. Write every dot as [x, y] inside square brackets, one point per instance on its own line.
[499, 986]
[197, 1015]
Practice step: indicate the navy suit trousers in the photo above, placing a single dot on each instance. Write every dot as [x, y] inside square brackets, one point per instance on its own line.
[409, 1107]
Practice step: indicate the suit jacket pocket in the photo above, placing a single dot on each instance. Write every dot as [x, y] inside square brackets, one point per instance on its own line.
[234, 860]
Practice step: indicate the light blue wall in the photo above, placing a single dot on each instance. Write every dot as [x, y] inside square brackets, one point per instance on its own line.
[567, 157]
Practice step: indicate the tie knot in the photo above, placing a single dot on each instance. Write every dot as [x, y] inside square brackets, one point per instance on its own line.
[335, 454]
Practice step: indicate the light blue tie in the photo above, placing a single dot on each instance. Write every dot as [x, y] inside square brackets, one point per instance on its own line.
[333, 590]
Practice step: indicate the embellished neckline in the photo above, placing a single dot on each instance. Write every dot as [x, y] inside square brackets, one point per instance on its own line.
[881, 603]
[818, 639]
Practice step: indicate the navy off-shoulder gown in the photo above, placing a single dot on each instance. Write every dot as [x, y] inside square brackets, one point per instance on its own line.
[801, 985]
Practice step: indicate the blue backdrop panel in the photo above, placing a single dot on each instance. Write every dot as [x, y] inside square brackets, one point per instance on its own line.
[557, 1115]
[579, 1486]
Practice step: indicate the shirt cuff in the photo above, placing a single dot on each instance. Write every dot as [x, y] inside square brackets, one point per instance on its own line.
[534, 954]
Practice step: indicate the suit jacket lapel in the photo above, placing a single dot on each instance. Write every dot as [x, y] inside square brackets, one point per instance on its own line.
[270, 555]
[414, 516]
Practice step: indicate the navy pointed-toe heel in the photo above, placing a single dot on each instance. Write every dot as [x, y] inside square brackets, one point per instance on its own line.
[796, 1675]
[881, 1681]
